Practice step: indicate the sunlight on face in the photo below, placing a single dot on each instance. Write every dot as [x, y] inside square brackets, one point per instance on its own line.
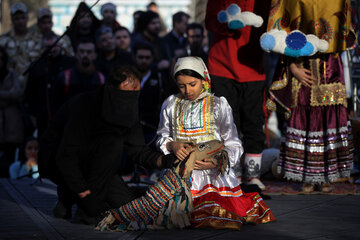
[190, 87]
[130, 85]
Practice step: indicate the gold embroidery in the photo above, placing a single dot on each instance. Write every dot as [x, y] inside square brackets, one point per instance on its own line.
[325, 94]
[328, 94]
[270, 104]
[280, 84]
[296, 85]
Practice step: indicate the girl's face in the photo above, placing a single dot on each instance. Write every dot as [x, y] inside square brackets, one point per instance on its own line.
[190, 87]
[32, 149]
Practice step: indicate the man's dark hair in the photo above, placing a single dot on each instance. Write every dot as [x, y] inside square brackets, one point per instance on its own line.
[142, 45]
[122, 72]
[85, 40]
[195, 25]
[145, 19]
[177, 17]
[188, 72]
[151, 4]
[101, 31]
[121, 28]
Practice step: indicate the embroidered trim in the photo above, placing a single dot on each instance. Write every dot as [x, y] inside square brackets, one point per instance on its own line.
[328, 94]
[280, 84]
[183, 121]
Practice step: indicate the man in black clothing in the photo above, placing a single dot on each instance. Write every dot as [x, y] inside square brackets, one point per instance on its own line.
[100, 126]
[82, 77]
[109, 55]
[151, 93]
[41, 80]
[195, 36]
[149, 29]
[175, 42]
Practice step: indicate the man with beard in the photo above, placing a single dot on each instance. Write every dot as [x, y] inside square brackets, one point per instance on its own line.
[151, 93]
[41, 80]
[100, 126]
[195, 36]
[109, 54]
[82, 77]
[149, 29]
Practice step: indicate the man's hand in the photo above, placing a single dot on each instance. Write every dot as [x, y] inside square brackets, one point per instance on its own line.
[303, 75]
[84, 193]
[179, 149]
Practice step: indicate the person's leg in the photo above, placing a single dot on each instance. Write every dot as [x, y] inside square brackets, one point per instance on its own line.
[228, 88]
[252, 117]
[119, 193]
[66, 199]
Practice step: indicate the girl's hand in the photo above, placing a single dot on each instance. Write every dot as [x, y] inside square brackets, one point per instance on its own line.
[31, 162]
[303, 75]
[204, 164]
[179, 149]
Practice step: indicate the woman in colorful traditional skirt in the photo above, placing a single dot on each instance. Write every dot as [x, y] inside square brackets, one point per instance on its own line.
[198, 128]
[309, 87]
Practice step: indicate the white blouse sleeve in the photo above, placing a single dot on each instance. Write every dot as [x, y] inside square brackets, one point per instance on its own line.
[229, 134]
[164, 128]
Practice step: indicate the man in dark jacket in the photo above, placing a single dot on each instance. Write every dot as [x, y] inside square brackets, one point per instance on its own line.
[80, 78]
[151, 93]
[41, 80]
[100, 126]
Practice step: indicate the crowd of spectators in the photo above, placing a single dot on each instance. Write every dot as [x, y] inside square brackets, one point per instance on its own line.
[41, 70]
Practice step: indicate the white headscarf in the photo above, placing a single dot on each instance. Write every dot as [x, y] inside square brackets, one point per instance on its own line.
[196, 64]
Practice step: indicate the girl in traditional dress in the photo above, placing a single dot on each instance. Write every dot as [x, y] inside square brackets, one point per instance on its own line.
[197, 117]
[317, 146]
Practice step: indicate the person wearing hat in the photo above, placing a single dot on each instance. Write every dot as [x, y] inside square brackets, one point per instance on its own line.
[19, 41]
[44, 26]
[149, 29]
[83, 25]
[108, 12]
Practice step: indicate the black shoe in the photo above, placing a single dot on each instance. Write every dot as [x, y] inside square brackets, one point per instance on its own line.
[61, 211]
[81, 217]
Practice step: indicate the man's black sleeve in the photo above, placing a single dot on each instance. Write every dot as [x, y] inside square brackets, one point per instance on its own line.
[138, 151]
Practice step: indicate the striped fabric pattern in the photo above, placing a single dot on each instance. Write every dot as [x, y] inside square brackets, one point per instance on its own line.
[143, 211]
[317, 156]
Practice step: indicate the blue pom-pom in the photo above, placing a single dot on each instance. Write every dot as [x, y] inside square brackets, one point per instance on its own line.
[295, 40]
[235, 24]
[267, 42]
[233, 9]
[222, 17]
[292, 52]
[307, 50]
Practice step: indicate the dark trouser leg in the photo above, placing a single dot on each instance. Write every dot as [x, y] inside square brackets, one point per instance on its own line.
[252, 117]
[246, 100]
[66, 199]
[119, 193]
[224, 87]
